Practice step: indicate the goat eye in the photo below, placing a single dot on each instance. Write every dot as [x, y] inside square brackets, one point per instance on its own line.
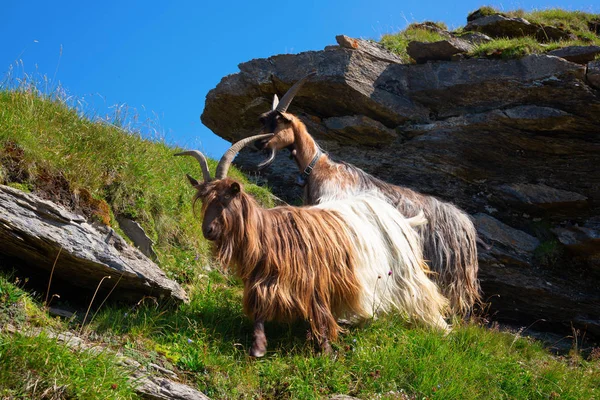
[227, 197]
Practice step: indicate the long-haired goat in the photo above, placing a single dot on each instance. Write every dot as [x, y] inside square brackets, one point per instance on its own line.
[449, 238]
[347, 258]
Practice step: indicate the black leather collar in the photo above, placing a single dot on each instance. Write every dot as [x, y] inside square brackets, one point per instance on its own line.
[303, 177]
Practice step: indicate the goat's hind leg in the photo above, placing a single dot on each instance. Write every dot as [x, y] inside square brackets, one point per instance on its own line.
[259, 345]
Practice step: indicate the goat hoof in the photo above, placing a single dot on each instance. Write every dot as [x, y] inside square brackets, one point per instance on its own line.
[326, 349]
[257, 352]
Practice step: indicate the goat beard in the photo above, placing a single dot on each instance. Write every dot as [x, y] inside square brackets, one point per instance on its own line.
[269, 160]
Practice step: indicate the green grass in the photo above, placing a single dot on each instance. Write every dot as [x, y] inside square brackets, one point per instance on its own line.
[575, 22]
[45, 146]
[397, 43]
[40, 367]
[206, 341]
[485, 11]
[54, 371]
[209, 338]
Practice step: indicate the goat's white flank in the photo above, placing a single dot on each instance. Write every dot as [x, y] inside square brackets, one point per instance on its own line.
[391, 269]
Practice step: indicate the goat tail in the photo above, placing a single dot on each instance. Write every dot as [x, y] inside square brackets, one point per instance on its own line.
[417, 220]
[450, 243]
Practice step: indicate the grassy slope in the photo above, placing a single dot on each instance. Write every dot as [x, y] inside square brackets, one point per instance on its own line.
[575, 22]
[206, 340]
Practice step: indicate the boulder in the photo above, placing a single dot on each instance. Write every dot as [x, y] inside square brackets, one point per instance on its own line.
[553, 34]
[137, 235]
[593, 74]
[577, 54]
[475, 37]
[434, 51]
[432, 27]
[499, 26]
[509, 245]
[369, 47]
[39, 233]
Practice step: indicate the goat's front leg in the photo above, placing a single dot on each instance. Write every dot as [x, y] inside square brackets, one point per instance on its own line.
[259, 346]
[324, 344]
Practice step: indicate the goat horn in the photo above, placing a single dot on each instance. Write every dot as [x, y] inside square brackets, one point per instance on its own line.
[269, 160]
[287, 98]
[201, 159]
[275, 102]
[227, 158]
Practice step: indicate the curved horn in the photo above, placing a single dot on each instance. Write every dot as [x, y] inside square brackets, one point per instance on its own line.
[287, 98]
[227, 158]
[269, 160]
[201, 159]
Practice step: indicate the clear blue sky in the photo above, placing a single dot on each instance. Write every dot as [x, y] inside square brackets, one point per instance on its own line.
[164, 56]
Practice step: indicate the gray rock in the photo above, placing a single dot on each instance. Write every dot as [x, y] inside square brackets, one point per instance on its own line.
[534, 112]
[499, 26]
[542, 195]
[553, 34]
[433, 27]
[434, 51]
[475, 37]
[360, 130]
[593, 74]
[583, 239]
[519, 291]
[371, 48]
[138, 236]
[35, 230]
[505, 240]
[577, 54]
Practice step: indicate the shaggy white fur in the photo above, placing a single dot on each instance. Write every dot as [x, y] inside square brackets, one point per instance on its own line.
[391, 269]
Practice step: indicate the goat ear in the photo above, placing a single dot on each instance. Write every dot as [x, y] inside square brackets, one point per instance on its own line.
[284, 116]
[235, 188]
[192, 180]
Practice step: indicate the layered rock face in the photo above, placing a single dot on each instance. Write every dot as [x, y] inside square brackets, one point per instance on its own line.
[516, 143]
[48, 239]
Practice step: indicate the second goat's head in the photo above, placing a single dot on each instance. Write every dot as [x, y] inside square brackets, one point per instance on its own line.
[280, 122]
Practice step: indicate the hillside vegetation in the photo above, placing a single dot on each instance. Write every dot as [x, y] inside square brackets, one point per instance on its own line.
[581, 27]
[49, 148]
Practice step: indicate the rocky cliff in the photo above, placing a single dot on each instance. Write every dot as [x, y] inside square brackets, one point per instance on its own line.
[516, 143]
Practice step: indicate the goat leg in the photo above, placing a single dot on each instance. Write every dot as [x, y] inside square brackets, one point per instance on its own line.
[259, 346]
[324, 344]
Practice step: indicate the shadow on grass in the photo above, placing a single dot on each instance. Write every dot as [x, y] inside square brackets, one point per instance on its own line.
[213, 317]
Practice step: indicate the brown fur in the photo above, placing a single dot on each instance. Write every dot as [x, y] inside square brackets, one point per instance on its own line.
[296, 263]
